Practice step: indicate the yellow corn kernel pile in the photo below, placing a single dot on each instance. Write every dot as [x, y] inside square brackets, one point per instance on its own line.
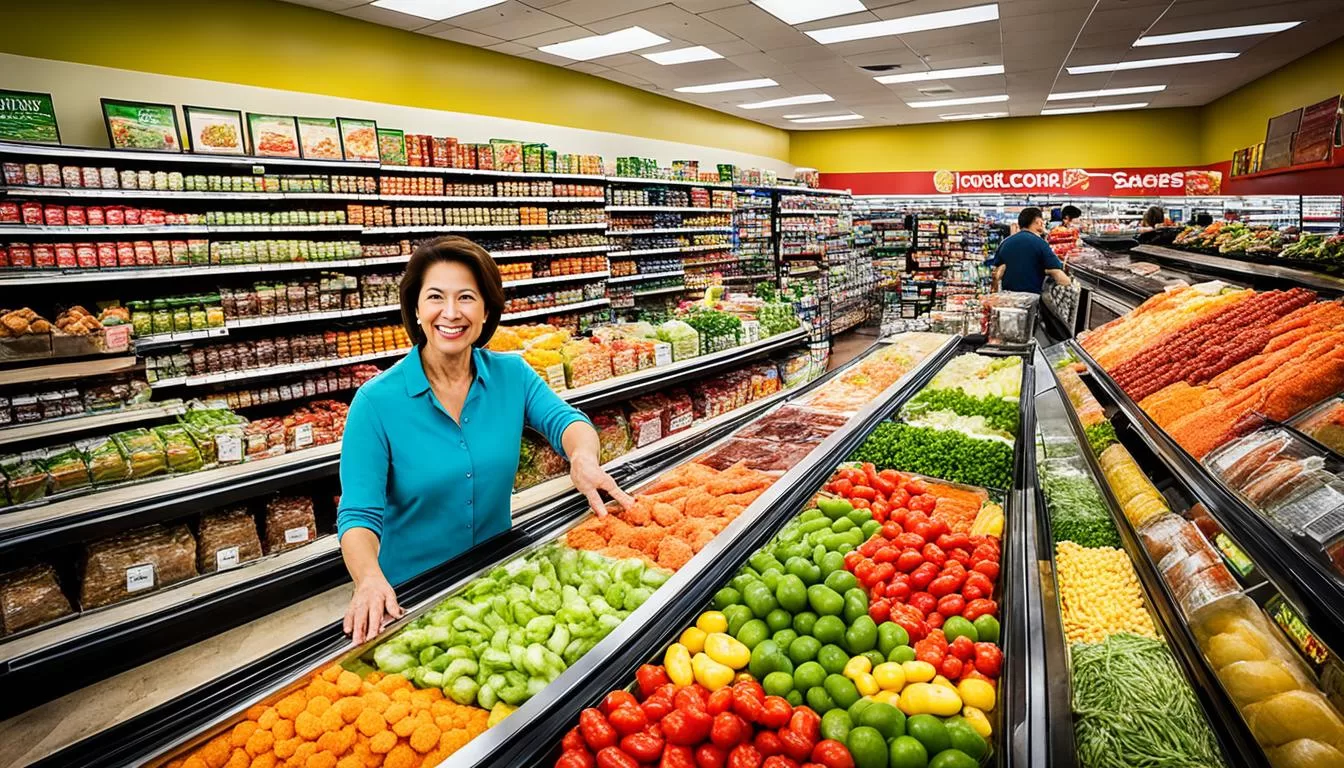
[1099, 594]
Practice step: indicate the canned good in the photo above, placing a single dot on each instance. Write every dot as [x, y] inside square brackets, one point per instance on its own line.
[32, 174]
[108, 177]
[65, 256]
[13, 174]
[106, 257]
[90, 177]
[31, 213]
[44, 256]
[71, 177]
[128, 180]
[74, 216]
[51, 175]
[54, 215]
[94, 216]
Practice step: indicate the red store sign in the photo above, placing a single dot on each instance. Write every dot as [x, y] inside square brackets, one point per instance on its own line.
[1107, 182]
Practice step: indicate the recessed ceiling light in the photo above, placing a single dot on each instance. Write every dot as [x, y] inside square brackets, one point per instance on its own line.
[1221, 33]
[437, 10]
[682, 55]
[1105, 92]
[918, 23]
[973, 116]
[957, 102]
[941, 74]
[788, 101]
[799, 11]
[735, 85]
[1169, 61]
[827, 119]
[610, 44]
[1102, 108]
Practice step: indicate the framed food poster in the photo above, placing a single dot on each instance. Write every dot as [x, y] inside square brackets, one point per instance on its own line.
[319, 138]
[142, 125]
[213, 131]
[273, 135]
[28, 116]
[392, 146]
[359, 139]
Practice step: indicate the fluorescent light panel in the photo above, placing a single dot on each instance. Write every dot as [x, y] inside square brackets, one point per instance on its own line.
[800, 11]
[682, 55]
[973, 116]
[827, 119]
[735, 85]
[940, 74]
[789, 101]
[1102, 108]
[436, 10]
[610, 44]
[957, 102]
[1105, 92]
[1222, 33]
[918, 23]
[1169, 61]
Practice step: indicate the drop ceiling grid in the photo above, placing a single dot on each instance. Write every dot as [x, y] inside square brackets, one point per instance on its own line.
[1034, 40]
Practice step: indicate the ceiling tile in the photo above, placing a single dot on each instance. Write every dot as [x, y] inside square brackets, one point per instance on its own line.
[446, 31]
[669, 21]
[388, 18]
[509, 21]
[701, 6]
[564, 34]
[757, 27]
[588, 11]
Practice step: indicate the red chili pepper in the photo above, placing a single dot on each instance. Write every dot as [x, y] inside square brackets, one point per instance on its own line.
[775, 713]
[977, 608]
[963, 648]
[720, 701]
[628, 719]
[617, 699]
[675, 756]
[574, 758]
[573, 740]
[767, 743]
[650, 678]
[832, 754]
[644, 747]
[806, 722]
[988, 659]
[746, 755]
[728, 730]
[597, 732]
[711, 756]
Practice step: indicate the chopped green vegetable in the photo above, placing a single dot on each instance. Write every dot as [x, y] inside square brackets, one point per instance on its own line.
[1077, 511]
[1100, 436]
[938, 453]
[1000, 413]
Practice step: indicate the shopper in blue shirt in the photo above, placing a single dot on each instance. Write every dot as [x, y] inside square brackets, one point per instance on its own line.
[431, 444]
[1023, 260]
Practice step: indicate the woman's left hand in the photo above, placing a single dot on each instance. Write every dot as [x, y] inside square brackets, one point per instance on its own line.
[589, 477]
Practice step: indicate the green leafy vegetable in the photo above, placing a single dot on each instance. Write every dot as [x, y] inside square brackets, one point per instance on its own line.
[1100, 436]
[1077, 511]
[1000, 413]
[939, 453]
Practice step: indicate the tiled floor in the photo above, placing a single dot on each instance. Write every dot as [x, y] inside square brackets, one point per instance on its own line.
[850, 345]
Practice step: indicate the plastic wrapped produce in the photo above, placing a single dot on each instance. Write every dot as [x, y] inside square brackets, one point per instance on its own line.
[227, 538]
[290, 523]
[549, 365]
[67, 469]
[679, 412]
[107, 464]
[1305, 753]
[646, 420]
[144, 451]
[684, 339]
[135, 563]
[549, 462]
[179, 448]
[796, 425]
[585, 363]
[528, 474]
[613, 434]
[25, 479]
[30, 597]
[1293, 715]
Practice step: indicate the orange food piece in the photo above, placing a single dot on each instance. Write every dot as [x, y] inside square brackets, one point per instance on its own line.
[283, 729]
[350, 707]
[259, 742]
[255, 711]
[382, 743]
[318, 705]
[216, 752]
[285, 748]
[405, 726]
[402, 756]
[396, 711]
[321, 760]
[674, 553]
[370, 723]
[331, 720]
[347, 683]
[300, 757]
[195, 762]
[308, 726]
[241, 733]
[424, 738]
[377, 701]
[239, 759]
[350, 761]
[268, 760]
[291, 705]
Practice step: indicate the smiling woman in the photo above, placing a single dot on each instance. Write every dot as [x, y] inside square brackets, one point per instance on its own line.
[428, 456]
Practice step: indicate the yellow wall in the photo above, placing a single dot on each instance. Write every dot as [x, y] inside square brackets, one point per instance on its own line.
[1134, 139]
[274, 44]
[1239, 119]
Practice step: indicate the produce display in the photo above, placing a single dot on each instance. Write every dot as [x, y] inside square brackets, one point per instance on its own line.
[943, 453]
[1139, 500]
[1077, 510]
[1235, 239]
[864, 381]
[1099, 594]
[1206, 363]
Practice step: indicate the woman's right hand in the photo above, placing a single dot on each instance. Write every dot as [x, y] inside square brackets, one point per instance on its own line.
[373, 600]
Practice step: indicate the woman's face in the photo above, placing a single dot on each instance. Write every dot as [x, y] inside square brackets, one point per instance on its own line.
[450, 309]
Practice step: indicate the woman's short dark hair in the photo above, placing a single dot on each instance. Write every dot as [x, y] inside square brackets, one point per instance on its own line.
[1154, 216]
[1071, 212]
[458, 250]
[1028, 216]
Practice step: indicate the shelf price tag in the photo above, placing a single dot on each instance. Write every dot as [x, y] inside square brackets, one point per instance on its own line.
[258, 170]
[662, 354]
[751, 331]
[303, 435]
[1234, 555]
[226, 558]
[228, 449]
[117, 337]
[296, 535]
[140, 577]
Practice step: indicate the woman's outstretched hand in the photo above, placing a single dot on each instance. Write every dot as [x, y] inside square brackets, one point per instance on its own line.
[374, 599]
[589, 477]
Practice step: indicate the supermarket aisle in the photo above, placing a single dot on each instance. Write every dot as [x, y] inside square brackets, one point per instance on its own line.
[57, 724]
[848, 346]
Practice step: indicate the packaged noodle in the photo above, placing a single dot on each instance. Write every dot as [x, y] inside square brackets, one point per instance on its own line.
[29, 597]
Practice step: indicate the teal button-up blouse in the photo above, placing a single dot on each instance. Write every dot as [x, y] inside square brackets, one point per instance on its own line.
[429, 487]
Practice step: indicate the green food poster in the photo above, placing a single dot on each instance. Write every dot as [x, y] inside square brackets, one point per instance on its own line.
[392, 146]
[26, 116]
[142, 125]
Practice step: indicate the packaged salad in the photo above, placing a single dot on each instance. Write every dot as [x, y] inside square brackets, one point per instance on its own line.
[144, 451]
[67, 469]
[180, 449]
[25, 479]
[107, 464]
[613, 433]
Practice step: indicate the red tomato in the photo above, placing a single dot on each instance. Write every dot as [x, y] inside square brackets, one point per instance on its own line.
[909, 540]
[934, 554]
[657, 706]
[935, 620]
[677, 757]
[852, 559]
[573, 740]
[615, 700]
[797, 746]
[776, 712]
[643, 747]
[915, 486]
[650, 678]
[864, 572]
[924, 602]
[728, 730]
[963, 647]
[978, 579]
[832, 754]
[767, 743]
[575, 758]
[886, 554]
[843, 487]
[747, 756]
[909, 560]
[939, 523]
[720, 701]
[977, 608]
[860, 503]
[951, 605]
[899, 592]
[899, 499]
[863, 492]
[879, 610]
[686, 726]
[597, 732]
[628, 718]
[883, 486]
[922, 503]
[881, 510]
[806, 722]
[921, 576]
[891, 529]
[950, 668]
[711, 756]
[988, 568]
[869, 547]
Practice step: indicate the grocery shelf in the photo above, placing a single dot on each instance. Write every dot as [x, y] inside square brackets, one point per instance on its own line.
[671, 231]
[555, 279]
[277, 370]
[93, 421]
[556, 310]
[712, 262]
[486, 199]
[679, 249]
[807, 190]
[80, 518]
[1315, 592]
[95, 153]
[1237, 744]
[183, 194]
[300, 317]
[1289, 276]
[480, 228]
[653, 378]
[644, 276]
[808, 212]
[660, 291]
[667, 182]
[63, 371]
[549, 252]
[9, 231]
[667, 208]
[44, 277]
[490, 173]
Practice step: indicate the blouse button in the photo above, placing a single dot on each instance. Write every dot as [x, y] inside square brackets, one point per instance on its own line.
[466, 420]
[463, 443]
[468, 474]
[468, 502]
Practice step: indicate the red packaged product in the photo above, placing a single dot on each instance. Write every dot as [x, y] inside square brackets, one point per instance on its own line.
[679, 413]
[442, 149]
[152, 218]
[20, 255]
[646, 420]
[54, 215]
[9, 212]
[65, 256]
[116, 215]
[125, 255]
[94, 216]
[74, 216]
[44, 256]
[144, 253]
[132, 216]
[4, 255]
[106, 256]
[31, 214]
